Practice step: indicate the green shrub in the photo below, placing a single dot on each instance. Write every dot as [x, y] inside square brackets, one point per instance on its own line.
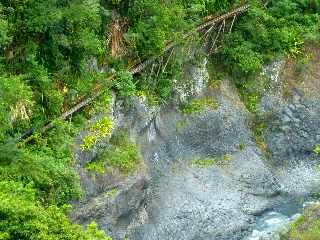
[88, 142]
[100, 130]
[125, 84]
[101, 105]
[317, 149]
[241, 56]
[252, 102]
[242, 146]
[103, 127]
[48, 168]
[207, 162]
[123, 155]
[198, 105]
[23, 217]
[97, 166]
[306, 227]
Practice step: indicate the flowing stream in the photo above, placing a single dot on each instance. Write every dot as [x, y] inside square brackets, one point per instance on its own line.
[272, 222]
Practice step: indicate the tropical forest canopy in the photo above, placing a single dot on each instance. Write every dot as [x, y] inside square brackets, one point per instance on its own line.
[55, 53]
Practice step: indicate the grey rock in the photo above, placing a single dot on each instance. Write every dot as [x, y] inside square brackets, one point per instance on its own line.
[292, 134]
[113, 207]
[217, 202]
[175, 199]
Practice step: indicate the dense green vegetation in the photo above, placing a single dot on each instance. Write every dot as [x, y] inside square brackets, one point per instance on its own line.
[48, 50]
[269, 30]
[23, 217]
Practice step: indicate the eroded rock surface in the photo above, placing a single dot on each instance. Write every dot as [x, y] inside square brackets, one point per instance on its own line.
[173, 198]
[186, 201]
[293, 127]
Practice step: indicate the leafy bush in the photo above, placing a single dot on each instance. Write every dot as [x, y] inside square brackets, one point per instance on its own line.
[264, 33]
[100, 130]
[241, 56]
[124, 84]
[123, 155]
[317, 149]
[198, 105]
[306, 227]
[23, 217]
[88, 142]
[16, 103]
[207, 162]
[46, 163]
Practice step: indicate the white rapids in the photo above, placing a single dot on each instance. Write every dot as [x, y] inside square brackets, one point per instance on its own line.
[272, 223]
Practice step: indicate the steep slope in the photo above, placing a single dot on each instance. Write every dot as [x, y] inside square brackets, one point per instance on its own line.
[208, 178]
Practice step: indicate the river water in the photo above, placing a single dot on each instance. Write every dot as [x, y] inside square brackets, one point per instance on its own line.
[276, 220]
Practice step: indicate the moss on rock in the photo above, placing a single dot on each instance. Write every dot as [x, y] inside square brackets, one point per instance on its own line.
[306, 227]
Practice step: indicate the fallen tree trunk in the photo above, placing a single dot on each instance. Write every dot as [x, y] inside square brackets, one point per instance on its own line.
[135, 70]
[138, 68]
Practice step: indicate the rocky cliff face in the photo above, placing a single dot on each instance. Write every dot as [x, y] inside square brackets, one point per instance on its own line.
[205, 176]
[293, 127]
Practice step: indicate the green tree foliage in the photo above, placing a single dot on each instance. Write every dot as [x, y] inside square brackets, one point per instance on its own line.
[16, 104]
[269, 30]
[4, 39]
[125, 84]
[57, 34]
[45, 161]
[45, 49]
[155, 24]
[54, 53]
[51, 42]
[279, 28]
[23, 217]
